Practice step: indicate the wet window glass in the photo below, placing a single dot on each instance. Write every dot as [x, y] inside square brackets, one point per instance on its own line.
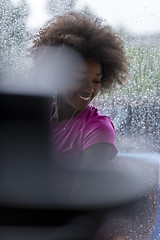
[134, 107]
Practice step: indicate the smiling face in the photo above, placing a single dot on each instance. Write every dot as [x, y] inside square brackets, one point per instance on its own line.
[86, 83]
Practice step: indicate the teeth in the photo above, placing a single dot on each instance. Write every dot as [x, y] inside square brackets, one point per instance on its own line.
[84, 98]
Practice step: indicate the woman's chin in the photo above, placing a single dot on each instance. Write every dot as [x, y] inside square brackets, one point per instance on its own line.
[81, 107]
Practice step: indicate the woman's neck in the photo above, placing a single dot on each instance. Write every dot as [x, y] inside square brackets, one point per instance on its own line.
[64, 111]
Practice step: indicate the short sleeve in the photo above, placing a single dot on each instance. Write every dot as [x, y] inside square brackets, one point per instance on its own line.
[99, 130]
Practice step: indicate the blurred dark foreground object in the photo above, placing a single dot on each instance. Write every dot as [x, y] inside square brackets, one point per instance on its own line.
[41, 200]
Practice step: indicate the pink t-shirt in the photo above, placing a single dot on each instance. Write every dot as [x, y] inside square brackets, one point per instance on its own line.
[87, 128]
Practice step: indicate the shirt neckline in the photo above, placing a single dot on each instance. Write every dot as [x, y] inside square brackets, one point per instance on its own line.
[65, 122]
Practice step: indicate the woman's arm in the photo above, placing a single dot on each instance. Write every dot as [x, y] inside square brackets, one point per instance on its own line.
[97, 156]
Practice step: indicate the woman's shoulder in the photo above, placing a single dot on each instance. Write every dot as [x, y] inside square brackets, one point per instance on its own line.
[95, 121]
[94, 114]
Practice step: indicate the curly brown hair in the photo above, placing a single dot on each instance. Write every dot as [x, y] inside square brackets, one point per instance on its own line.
[92, 39]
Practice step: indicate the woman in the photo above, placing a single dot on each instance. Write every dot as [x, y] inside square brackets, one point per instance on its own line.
[86, 58]
[79, 132]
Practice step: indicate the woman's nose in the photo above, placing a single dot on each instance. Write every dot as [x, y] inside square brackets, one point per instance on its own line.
[89, 90]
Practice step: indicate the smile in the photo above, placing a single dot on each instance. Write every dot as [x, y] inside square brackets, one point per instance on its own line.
[84, 98]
